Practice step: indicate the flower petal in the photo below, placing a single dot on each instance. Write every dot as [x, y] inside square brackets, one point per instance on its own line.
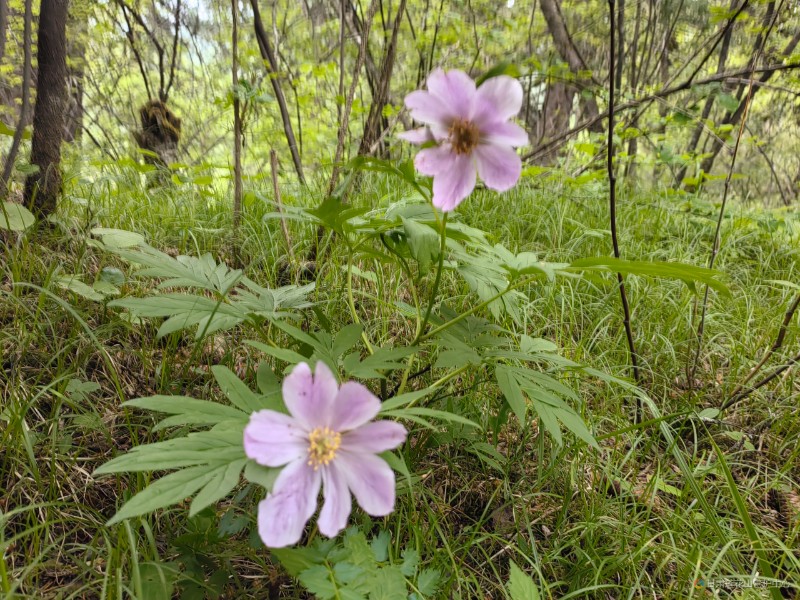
[498, 166]
[498, 99]
[336, 509]
[432, 161]
[417, 136]
[451, 186]
[283, 515]
[376, 437]
[274, 439]
[310, 398]
[427, 108]
[455, 89]
[370, 479]
[508, 134]
[354, 406]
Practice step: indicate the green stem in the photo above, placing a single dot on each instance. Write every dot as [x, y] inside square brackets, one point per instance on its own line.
[436, 281]
[476, 308]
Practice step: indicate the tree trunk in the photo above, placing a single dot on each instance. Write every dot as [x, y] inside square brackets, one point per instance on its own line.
[43, 187]
[26, 90]
[570, 54]
[376, 122]
[268, 55]
[3, 26]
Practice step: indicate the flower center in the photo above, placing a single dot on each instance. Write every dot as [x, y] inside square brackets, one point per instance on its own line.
[322, 446]
[464, 136]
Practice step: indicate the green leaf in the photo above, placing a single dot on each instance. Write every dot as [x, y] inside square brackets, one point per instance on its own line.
[73, 284]
[689, 274]
[423, 242]
[297, 560]
[222, 483]
[512, 392]
[383, 359]
[168, 490]
[428, 581]
[728, 102]
[318, 581]
[158, 583]
[520, 586]
[236, 391]
[188, 411]
[261, 475]
[112, 275]
[284, 354]
[118, 238]
[15, 217]
[388, 584]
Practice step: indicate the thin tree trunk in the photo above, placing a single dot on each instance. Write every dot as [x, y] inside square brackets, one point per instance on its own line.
[375, 120]
[78, 25]
[698, 130]
[569, 53]
[3, 25]
[269, 57]
[43, 187]
[237, 124]
[26, 92]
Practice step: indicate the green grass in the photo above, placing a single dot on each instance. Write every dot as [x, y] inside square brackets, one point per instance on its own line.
[625, 522]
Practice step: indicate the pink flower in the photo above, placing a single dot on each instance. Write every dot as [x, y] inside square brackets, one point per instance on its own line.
[472, 132]
[326, 442]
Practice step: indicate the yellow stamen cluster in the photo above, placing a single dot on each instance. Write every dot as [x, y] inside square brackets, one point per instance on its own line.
[323, 443]
[464, 136]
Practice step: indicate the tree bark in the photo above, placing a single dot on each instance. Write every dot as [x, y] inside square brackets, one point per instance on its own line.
[43, 187]
[570, 54]
[268, 55]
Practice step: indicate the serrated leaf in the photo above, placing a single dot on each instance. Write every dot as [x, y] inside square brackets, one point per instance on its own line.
[297, 560]
[388, 584]
[380, 546]
[428, 581]
[318, 581]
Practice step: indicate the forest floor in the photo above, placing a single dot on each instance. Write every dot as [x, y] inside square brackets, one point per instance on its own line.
[623, 522]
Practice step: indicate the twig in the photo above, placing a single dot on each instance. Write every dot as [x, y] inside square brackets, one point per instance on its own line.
[553, 144]
[787, 318]
[612, 204]
[744, 393]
